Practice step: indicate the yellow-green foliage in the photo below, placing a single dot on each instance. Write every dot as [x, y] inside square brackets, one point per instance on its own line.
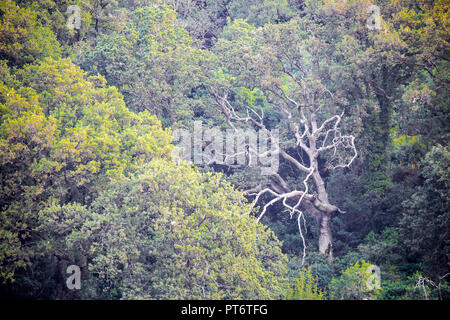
[305, 287]
[64, 136]
[170, 232]
[405, 139]
[353, 283]
[22, 37]
[152, 62]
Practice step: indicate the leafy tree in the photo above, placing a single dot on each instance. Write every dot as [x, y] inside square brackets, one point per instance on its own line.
[205, 19]
[425, 220]
[381, 248]
[259, 13]
[23, 38]
[424, 27]
[84, 180]
[352, 284]
[63, 136]
[169, 232]
[305, 287]
[152, 63]
[95, 16]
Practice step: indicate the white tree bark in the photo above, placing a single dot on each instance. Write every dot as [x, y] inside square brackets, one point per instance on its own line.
[313, 139]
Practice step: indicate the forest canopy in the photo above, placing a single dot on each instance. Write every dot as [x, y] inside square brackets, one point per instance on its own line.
[347, 99]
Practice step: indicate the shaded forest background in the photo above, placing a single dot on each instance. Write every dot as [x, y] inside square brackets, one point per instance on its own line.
[87, 178]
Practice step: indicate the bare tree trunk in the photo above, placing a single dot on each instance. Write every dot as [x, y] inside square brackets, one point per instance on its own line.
[60, 290]
[325, 237]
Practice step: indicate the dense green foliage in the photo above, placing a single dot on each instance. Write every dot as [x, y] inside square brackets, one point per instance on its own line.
[86, 175]
[23, 38]
[352, 284]
[169, 232]
[305, 287]
[152, 63]
[63, 137]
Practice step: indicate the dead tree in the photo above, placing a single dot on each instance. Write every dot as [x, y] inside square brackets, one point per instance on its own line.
[314, 136]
